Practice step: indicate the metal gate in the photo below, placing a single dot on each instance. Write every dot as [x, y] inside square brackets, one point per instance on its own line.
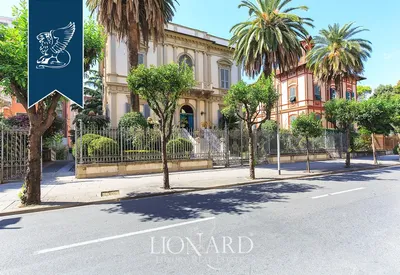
[13, 154]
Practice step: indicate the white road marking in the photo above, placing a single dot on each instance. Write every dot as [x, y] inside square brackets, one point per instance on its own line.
[337, 193]
[120, 236]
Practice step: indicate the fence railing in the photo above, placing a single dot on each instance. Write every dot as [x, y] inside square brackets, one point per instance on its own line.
[224, 147]
[13, 154]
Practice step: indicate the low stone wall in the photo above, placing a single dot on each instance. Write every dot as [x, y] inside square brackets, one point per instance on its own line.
[137, 168]
[299, 158]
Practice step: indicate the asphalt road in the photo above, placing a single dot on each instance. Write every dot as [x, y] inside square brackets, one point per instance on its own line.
[337, 224]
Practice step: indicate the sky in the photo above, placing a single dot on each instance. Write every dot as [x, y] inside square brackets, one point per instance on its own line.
[218, 16]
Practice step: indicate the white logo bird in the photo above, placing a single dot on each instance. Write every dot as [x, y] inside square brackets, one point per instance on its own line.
[53, 45]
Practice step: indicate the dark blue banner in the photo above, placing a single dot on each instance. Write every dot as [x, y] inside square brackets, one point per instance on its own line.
[55, 49]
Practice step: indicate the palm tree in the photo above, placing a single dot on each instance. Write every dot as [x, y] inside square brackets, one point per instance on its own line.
[270, 38]
[134, 20]
[337, 54]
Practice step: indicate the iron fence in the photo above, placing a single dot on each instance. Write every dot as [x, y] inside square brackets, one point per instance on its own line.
[13, 154]
[223, 147]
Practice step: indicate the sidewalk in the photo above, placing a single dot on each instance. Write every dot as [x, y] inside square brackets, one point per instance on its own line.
[62, 189]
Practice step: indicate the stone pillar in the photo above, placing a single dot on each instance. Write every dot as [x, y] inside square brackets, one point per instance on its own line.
[174, 53]
[205, 74]
[165, 54]
[159, 55]
[210, 110]
[206, 110]
[196, 66]
[209, 71]
[113, 111]
[197, 119]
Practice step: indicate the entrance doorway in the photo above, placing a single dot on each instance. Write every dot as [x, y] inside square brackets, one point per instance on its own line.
[186, 117]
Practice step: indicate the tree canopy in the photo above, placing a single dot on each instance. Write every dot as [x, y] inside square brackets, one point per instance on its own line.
[270, 38]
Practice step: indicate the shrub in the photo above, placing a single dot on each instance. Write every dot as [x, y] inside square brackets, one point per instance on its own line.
[396, 150]
[103, 146]
[133, 119]
[86, 140]
[180, 146]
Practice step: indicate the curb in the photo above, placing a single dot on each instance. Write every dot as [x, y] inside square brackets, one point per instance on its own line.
[28, 210]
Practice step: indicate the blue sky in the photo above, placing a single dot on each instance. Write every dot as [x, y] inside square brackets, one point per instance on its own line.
[218, 16]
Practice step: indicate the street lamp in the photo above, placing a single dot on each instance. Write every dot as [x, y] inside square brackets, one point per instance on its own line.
[278, 142]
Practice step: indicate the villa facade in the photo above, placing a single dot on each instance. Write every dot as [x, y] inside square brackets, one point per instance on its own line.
[212, 64]
[300, 92]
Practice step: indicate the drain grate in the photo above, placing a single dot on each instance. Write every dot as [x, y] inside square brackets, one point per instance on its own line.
[109, 193]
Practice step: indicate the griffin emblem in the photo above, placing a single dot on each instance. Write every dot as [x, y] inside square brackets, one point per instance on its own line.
[53, 46]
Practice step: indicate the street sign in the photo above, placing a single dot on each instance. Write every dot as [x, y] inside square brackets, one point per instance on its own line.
[55, 50]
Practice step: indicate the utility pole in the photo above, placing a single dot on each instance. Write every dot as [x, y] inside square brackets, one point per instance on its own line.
[278, 142]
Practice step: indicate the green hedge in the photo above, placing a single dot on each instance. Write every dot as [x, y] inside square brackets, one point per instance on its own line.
[179, 145]
[86, 140]
[103, 146]
[396, 150]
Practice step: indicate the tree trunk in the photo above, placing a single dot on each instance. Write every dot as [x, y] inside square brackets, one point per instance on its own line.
[338, 86]
[308, 156]
[374, 149]
[251, 152]
[164, 161]
[133, 49]
[348, 137]
[33, 176]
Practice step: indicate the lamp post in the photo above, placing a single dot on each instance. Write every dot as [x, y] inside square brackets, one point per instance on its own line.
[278, 142]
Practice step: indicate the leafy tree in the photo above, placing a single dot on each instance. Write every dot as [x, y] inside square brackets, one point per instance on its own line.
[375, 115]
[14, 77]
[384, 91]
[248, 98]
[338, 54]
[270, 38]
[136, 21]
[92, 113]
[161, 87]
[307, 126]
[95, 40]
[232, 121]
[363, 92]
[342, 114]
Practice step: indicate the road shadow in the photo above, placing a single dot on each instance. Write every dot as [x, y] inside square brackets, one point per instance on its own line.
[235, 201]
[5, 223]
[358, 176]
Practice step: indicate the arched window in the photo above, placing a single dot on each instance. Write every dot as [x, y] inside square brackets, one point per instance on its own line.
[186, 58]
[332, 93]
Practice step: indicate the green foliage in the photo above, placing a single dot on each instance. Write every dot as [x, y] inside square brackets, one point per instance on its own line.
[103, 146]
[396, 150]
[179, 146]
[133, 120]
[95, 40]
[308, 126]
[161, 87]
[250, 97]
[341, 112]
[384, 91]
[375, 115]
[22, 193]
[269, 126]
[269, 37]
[363, 92]
[337, 53]
[85, 141]
[231, 120]
[91, 121]
[14, 51]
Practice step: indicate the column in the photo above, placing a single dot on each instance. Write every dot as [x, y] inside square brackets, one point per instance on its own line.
[205, 69]
[206, 110]
[174, 53]
[209, 70]
[165, 49]
[159, 55]
[210, 110]
[196, 66]
[113, 111]
[197, 119]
